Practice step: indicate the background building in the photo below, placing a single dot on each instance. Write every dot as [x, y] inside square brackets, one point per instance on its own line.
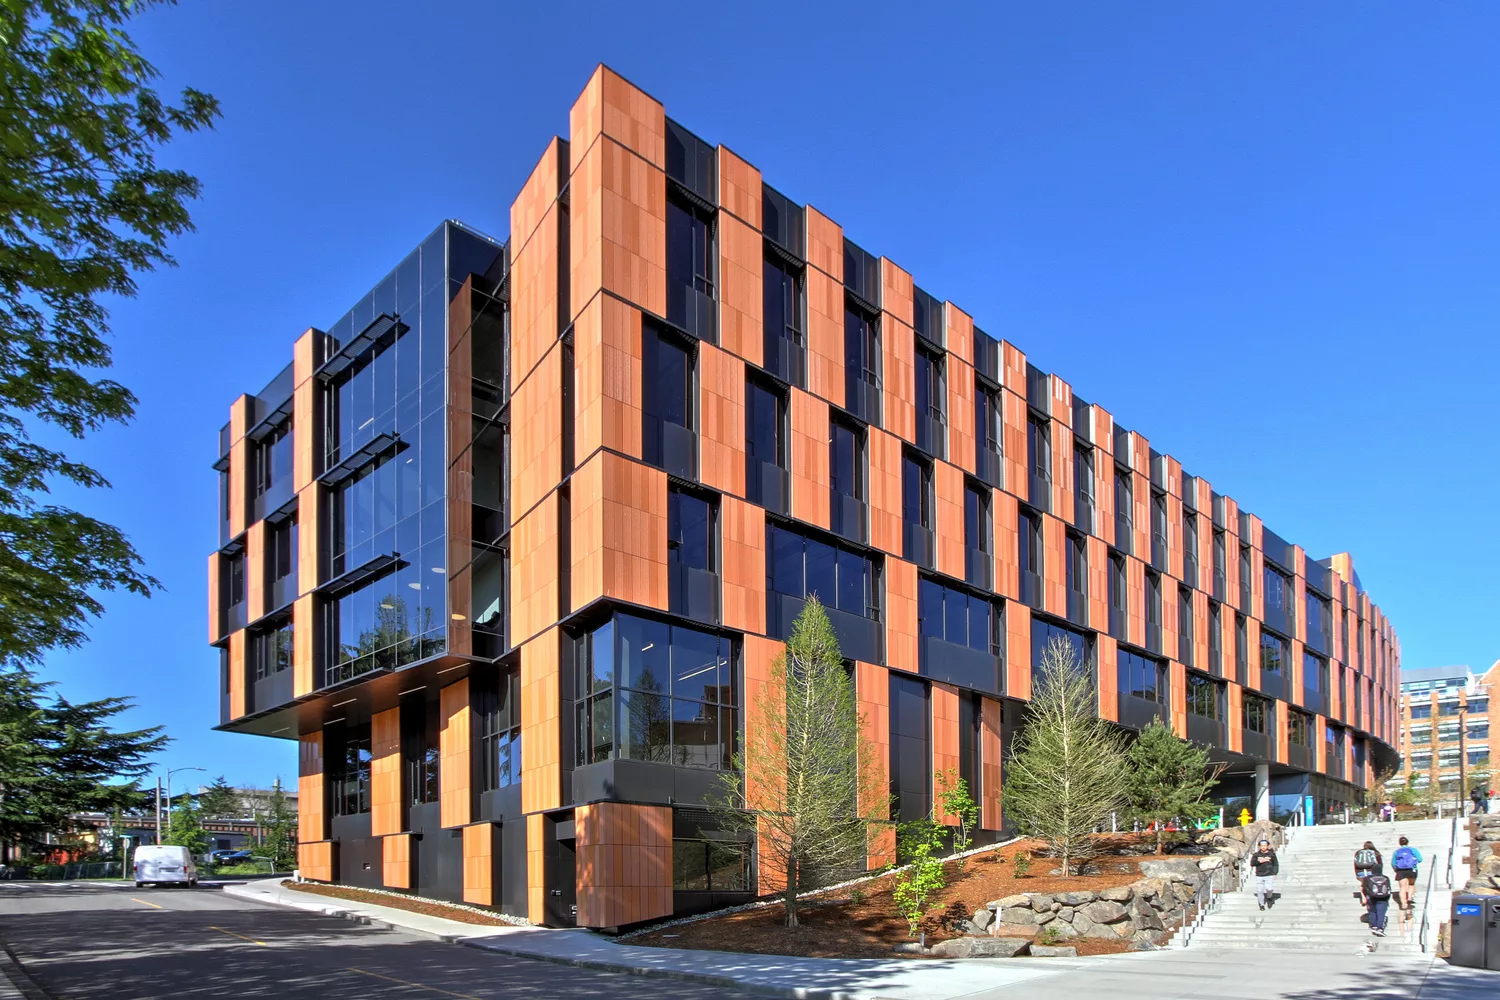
[510, 546]
[1445, 729]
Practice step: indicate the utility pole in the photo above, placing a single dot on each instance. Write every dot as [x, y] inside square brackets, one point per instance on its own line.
[158, 809]
[1463, 759]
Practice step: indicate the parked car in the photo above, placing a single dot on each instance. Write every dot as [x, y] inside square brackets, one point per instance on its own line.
[228, 856]
[160, 863]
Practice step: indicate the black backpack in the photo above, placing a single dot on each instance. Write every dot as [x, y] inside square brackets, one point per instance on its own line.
[1366, 858]
[1378, 887]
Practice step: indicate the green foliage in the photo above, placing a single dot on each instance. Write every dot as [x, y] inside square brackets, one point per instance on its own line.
[953, 799]
[922, 877]
[1048, 935]
[83, 209]
[858, 897]
[220, 801]
[185, 827]
[280, 844]
[1168, 778]
[1067, 771]
[1021, 865]
[58, 758]
[245, 868]
[803, 783]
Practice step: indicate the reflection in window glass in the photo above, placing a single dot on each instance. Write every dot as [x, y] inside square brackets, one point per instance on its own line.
[803, 567]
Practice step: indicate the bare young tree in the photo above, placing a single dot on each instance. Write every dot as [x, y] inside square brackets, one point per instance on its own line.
[799, 781]
[1067, 771]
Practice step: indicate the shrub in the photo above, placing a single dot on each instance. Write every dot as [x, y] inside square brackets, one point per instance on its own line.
[1022, 864]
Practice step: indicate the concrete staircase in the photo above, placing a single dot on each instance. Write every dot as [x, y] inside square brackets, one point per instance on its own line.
[1318, 909]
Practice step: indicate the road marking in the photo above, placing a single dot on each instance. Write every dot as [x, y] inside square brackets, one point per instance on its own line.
[420, 986]
[154, 906]
[242, 937]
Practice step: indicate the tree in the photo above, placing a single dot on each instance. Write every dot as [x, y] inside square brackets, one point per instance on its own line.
[1067, 771]
[185, 827]
[83, 209]
[220, 801]
[1168, 777]
[954, 800]
[281, 833]
[922, 876]
[802, 779]
[58, 758]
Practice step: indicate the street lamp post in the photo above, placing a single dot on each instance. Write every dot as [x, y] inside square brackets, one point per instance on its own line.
[170, 772]
[1463, 761]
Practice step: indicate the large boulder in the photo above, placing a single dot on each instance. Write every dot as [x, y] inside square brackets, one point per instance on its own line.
[1076, 898]
[1019, 899]
[968, 947]
[1144, 917]
[1045, 918]
[1014, 930]
[1171, 869]
[1102, 911]
[1017, 915]
[983, 917]
[1211, 862]
[1065, 913]
[1053, 951]
[1150, 888]
[1119, 894]
[1041, 902]
[1063, 931]
[1490, 865]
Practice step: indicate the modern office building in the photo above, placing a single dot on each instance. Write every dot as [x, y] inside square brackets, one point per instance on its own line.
[510, 547]
[1445, 728]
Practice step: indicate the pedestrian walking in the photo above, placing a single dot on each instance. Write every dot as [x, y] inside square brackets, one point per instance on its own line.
[1367, 862]
[1377, 893]
[1480, 799]
[1265, 867]
[1404, 863]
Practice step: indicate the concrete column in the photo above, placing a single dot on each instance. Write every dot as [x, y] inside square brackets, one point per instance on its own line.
[1262, 792]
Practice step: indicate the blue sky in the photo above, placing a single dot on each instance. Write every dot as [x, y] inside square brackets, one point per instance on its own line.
[1263, 235]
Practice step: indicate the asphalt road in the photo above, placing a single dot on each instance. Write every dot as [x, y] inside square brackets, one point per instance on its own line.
[83, 941]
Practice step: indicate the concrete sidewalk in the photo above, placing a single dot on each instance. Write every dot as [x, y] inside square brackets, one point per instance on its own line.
[1176, 973]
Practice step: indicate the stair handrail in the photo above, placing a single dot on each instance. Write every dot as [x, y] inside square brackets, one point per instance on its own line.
[1204, 901]
[1431, 878]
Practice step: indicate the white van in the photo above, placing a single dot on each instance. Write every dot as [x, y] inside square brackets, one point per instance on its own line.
[158, 863]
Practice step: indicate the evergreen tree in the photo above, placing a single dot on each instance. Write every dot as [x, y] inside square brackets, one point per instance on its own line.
[220, 801]
[85, 208]
[803, 777]
[58, 758]
[1168, 778]
[281, 833]
[185, 827]
[1067, 771]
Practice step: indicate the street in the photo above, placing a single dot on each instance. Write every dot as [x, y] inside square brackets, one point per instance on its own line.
[80, 941]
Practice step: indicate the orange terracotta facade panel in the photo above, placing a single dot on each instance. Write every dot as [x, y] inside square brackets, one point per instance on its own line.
[990, 750]
[395, 856]
[536, 441]
[742, 289]
[721, 420]
[825, 337]
[541, 725]
[901, 615]
[607, 360]
[1106, 652]
[945, 737]
[1018, 651]
[884, 451]
[1006, 515]
[743, 542]
[237, 674]
[618, 227]
[479, 863]
[624, 863]
[385, 772]
[456, 790]
[315, 861]
[961, 414]
[611, 105]
[764, 691]
[811, 482]
[825, 244]
[948, 494]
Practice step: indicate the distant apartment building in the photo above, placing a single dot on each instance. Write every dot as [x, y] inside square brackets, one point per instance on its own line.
[1445, 726]
[510, 547]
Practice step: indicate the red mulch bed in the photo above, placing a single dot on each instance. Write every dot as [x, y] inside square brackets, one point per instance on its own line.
[871, 928]
[410, 904]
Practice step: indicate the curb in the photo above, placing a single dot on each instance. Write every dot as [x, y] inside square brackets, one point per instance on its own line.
[15, 981]
[591, 964]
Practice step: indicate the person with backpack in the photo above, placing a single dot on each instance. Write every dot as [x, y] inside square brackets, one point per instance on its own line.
[1480, 799]
[1266, 867]
[1377, 892]
[1404, 863]
[1367, 862]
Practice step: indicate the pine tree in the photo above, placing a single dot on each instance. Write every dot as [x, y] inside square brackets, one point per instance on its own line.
[1168, 778]
[58, 758]
[801, 779]
[220, 801]
[185, 827]
[281, 833]
[1067, 770]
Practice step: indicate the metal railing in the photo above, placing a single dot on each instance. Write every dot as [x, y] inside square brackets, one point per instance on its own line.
[61, 873]
[1204, 902]
[1431, 879]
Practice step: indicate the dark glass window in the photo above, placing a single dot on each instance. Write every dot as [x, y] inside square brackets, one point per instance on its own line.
[498, 707]
[1314, 673]
[839, 577]
[956, 616]
[1124, 513]
[422, 749]
[1299, 728]
[281, 549]
[271, 649]
[1029, 540]
[848, 460]
[690, 248]
[1039, 449]
[1190, 547]
[1255, 712]
[930, 402]
[976, 519]
[1215, 638]
[1077, 564]
[862, 363]
[1043, 632]
[1277, 589]
[690, 531]
[988, 420]
[673, 688]
[783, 307]
[1083, 477]
[1142, 677]
[1185, 625]
[667, 398]
[351, 771]
[1271, 649]
[273, 458]
[710, 866]
[1203, 696]
[911, 747]
[1159, 529]
[765, 416]
[234, 579]
[916, 492]
[1153, 601]
[1118, 589]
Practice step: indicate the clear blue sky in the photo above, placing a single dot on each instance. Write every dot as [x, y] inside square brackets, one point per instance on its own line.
[1264, 235]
